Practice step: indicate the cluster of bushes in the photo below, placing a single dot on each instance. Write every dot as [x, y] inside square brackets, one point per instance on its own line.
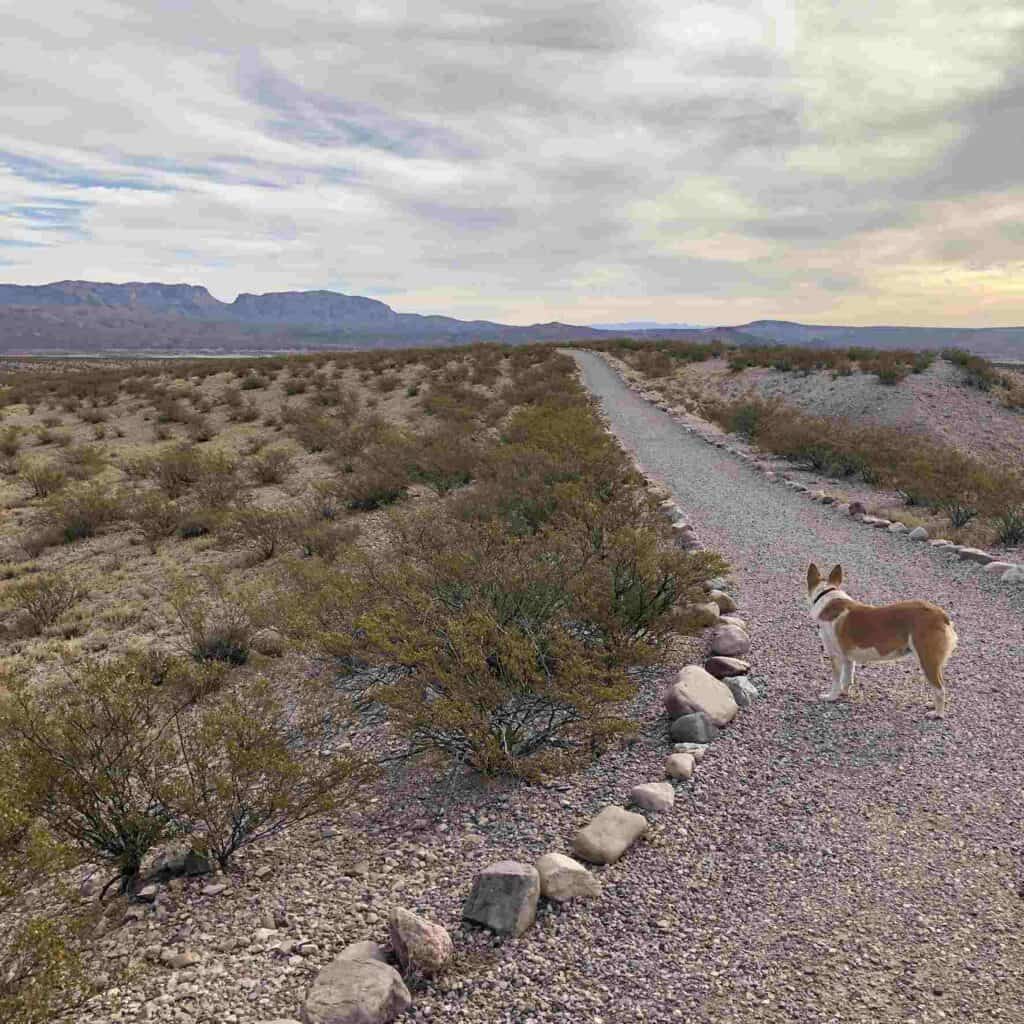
[925, 472]
[511, 615]
[890, 366]
[978, 372]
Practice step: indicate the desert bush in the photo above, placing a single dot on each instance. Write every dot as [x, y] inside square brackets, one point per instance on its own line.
[83, 461]
[44, 476]
[258, 761]
[443, 460]
[315, 431]
[43, 598]
[272, 464]
[214, 617]
[41, 970]
[79, 510]
[317, 538]
[93, 414]
[978, 372]
[154, 515]
[262, 530]
[10, 441]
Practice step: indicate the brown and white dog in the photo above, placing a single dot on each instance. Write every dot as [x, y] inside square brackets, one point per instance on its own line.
[859, 634]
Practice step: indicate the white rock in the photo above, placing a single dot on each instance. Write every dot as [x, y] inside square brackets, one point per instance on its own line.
[653, 796]
[695, 689]
[998, 568]
[609, 835]
[680, 766]
[563, 879]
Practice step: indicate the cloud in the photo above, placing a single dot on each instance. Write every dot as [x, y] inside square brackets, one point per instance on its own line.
[584, 159]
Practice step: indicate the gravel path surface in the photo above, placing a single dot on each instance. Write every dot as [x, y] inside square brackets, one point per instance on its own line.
[847, 862]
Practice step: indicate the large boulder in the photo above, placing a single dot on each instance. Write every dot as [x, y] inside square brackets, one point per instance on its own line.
[730, 641]
[694, 728]
[721, 667]
[504, 897]
[697, 690]
[351, 991]
[653, 796]
[609, 835]
[563, 879]
[419, 944]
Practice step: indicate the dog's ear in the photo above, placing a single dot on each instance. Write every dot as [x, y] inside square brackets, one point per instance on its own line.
[813, 577]
[835, 577]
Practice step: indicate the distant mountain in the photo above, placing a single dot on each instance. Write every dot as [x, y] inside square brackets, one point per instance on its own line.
[1002, 342]
[85, 316]
[645, 325]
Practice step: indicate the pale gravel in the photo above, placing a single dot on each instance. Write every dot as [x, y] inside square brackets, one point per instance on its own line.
[828, 863]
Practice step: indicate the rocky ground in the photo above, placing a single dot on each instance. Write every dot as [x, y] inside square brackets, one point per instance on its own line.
[828, 863]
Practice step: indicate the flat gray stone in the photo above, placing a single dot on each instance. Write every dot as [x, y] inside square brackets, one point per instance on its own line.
[504, 897]
[609, 835]
[975, 555]
[695, 728]
[744, 692]
[918, 533]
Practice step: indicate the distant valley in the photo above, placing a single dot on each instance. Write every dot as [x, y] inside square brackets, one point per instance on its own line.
[84, 317]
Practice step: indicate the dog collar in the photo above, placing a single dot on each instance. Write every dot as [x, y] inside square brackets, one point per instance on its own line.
[827, 590]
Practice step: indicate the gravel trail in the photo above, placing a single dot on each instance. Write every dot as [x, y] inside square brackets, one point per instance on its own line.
[849, 862]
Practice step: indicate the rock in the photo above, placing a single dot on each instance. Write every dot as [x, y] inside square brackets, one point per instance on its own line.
[350, 991]
[504, 897]
[918, 533]
[563, 879]
[940, 543]
[1014, 575]
[174, 860]
[363, 951]
[998, 568]
[262, 935]
[695, 728]
[857, 508]
[419, 944]
[680, 766]
[609, 835]
[703, 615]
[723, 600]
[695, 750]
[721, 667]
[730, 641]
[269, 642]
[716, 583]
[732, 620]
[897, 528]
[975, 555]
[147, 893]
[744, 692]
[698, 690]
[214, 889]
[653, 796]
[177, 961]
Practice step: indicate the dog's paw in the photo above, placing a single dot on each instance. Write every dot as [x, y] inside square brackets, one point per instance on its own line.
[828, 697]
[935, 716]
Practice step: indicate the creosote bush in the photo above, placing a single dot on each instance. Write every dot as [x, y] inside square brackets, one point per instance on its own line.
[215, 617]
[43, 598]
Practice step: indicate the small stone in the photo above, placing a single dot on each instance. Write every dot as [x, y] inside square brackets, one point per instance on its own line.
[419, 944]
[695, 750]
[695, 728]
[680, 766]
[1014, 575]
[563, 879]
[918, 533]
[730, 641]
[363, 951]
[214, 889]
[147, 893]
[504, 897]
[723, 600]
[177, 961]
[998, 568]
[609, 835]
[744, 692]
[941, 543]
[350, 991]
[653, 796]
[721, 667]
[975, 555]
[897, 528]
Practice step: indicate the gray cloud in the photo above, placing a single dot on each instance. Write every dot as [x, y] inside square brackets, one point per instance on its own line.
[584, 159]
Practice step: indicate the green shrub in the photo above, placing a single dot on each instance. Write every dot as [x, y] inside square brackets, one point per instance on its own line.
[214, 618]
[272, 464]
[80, 510]
[44, 598]
[44, 476]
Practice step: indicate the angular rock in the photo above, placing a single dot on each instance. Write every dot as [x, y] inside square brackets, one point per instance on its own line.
[653, 796]
[998, 568]
[730, 641]
[563, 879]
[744, 692]
[697, 690]
[504, 897]
[975, 555]
[349, 991]
[680, 766]
[918, 533]
[721, 667]
[723, 600]
[419, 944]
[609, 835]
[695, 728]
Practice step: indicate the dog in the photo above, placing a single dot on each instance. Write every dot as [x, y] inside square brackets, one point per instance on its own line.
[858, 634]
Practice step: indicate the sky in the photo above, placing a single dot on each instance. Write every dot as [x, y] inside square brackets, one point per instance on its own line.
[832, 161]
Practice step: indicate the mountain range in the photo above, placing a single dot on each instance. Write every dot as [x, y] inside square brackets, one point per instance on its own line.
[84, 317]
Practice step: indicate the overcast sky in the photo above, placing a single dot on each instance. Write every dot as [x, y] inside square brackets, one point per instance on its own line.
[855, 161]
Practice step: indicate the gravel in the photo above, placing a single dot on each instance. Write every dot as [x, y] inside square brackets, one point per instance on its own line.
[850, 862]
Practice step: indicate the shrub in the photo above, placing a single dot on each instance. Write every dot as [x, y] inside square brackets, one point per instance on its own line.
[44, 476]
[262, 530]
[272, 464]
[83, 461]
[44, 598]
[79, 510]
[443, 460]
[155, 516]
[10, 441]
[1010, 526]
[214, 618]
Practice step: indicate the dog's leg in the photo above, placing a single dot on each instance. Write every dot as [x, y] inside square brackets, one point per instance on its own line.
[842, 676]
[851, 676]
[933, 650]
